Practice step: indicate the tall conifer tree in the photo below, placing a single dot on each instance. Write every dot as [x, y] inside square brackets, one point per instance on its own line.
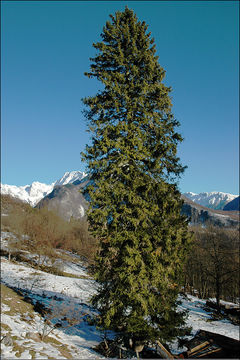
[134, 201]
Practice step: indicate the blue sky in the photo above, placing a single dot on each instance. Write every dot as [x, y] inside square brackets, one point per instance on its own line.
[46, 47]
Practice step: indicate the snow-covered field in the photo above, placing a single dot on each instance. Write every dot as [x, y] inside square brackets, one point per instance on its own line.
[64, 295]
[200, 319]
[69, 296]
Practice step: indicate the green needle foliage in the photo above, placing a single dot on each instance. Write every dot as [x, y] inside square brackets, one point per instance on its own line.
[134, 201]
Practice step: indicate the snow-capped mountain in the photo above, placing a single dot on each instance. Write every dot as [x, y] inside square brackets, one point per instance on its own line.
[33, 193]
[213, 200]
[70, 177]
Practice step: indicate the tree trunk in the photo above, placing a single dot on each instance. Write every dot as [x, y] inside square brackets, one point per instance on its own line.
[218, 294]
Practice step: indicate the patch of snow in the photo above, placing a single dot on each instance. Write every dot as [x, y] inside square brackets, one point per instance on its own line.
[81, 211]
[223, 302]
[74, 269]
[221, 215]
[70, 294]
[201, 319]
[23, 277]
[4, 308]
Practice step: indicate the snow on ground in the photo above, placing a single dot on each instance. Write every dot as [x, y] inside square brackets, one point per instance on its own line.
[74, 269]
[73, 265]
[64, 295]
[228, 303]
[69, 295]
[221, 215]
[41, 282]
[5, 237]
[65, 260]
[198, 318]
[201, 319]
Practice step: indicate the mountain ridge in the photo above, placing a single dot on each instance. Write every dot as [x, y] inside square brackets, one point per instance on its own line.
[201, 215]
[216, 200]
[233, 205]
[68, 201]
[36, 191]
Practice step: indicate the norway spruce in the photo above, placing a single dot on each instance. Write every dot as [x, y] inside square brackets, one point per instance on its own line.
[134, 201]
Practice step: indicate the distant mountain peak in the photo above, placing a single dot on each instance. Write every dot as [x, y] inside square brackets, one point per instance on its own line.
[36, 191]
[70, 177]
[213, 200]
